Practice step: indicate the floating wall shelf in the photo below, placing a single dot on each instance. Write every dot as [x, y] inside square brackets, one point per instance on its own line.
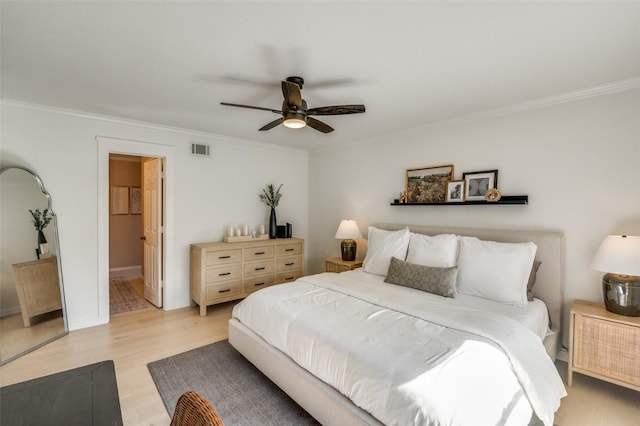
[506, 199]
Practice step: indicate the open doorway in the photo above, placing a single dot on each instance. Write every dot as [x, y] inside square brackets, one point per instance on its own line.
[126, 276]
[159, 262]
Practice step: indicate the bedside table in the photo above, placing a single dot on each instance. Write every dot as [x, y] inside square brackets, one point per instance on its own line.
[336, 264]
[604, 345]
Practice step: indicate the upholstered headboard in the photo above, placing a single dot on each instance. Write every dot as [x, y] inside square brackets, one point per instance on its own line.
[550, 277]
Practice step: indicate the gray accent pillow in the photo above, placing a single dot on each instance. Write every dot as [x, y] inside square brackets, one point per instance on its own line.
[440, 281]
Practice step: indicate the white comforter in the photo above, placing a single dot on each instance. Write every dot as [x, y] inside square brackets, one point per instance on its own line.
[406, 356]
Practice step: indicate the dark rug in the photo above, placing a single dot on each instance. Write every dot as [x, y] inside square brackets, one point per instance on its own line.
[238, 391]
[83, 396]
[123, 297]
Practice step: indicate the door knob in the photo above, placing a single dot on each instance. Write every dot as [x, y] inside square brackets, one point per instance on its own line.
[143, 238]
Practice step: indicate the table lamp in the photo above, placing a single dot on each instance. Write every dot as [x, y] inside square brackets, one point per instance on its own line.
[347, 231]
[619, 257]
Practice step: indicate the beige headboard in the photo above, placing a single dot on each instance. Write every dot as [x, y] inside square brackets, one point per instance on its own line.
[550, 278]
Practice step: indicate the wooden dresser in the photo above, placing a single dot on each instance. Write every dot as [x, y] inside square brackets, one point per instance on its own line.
[221, 272]
[604, 345]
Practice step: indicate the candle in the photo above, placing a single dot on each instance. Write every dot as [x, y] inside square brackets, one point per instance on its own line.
[261, 229]
[238, 233]
[245, 230]
[230, 231]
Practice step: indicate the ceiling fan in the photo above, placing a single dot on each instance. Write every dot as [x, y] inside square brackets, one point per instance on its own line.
[295, 113]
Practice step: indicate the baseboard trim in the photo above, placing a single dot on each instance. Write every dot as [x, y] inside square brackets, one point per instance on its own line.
[128, 272]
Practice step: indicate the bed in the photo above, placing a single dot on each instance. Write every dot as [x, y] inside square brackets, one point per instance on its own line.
[343, 345]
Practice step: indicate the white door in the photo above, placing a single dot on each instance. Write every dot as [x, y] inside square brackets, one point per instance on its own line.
[152, 229]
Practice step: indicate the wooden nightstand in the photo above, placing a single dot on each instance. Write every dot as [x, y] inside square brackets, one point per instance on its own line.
[604, 345]
[336, 264]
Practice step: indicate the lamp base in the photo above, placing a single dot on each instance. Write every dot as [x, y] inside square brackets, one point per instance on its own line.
[348, 248]
[622, 294]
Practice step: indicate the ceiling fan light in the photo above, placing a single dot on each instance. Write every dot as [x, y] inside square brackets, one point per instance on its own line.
[294, 120]
[294, 123]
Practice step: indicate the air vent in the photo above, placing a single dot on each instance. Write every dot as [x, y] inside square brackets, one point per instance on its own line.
[200, 149]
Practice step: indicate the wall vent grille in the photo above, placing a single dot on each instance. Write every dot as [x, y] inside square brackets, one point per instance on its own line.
[200, 149]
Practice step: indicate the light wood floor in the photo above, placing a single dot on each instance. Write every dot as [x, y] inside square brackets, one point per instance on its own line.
[133, 339]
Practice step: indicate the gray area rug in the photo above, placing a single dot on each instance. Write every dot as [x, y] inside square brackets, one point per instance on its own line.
[238, 391]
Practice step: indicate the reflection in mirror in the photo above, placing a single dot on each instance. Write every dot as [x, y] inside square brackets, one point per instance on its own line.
[32, 310]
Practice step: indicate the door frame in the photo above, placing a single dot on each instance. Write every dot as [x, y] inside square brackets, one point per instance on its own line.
[109, 145]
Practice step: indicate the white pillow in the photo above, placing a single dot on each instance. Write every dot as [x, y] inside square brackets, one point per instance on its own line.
[439, 251]
[495, 271]
[382, 246]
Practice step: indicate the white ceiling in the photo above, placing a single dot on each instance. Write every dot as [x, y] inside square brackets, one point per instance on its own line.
[410, 63]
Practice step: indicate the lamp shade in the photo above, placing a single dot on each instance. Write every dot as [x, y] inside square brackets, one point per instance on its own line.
[618, 254]
[347, 230]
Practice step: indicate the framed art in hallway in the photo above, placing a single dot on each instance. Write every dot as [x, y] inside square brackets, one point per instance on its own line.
[119, 200]
[135, 200]
[477, 183]
[429, 184]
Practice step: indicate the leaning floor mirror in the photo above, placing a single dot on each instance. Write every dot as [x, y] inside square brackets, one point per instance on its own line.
[32, 308]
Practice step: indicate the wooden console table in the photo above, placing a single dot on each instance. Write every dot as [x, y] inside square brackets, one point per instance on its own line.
[38, 287]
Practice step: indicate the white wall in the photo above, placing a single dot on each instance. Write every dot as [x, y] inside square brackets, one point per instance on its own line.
[578, 162]
[209, 194]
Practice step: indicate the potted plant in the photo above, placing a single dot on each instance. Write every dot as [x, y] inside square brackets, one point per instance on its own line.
[271, 197]
[40, 221]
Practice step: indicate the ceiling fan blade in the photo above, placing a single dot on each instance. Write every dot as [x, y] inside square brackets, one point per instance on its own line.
[273, 124]
[336, 110]
[252, 107]
[291, 93]
[319, 125]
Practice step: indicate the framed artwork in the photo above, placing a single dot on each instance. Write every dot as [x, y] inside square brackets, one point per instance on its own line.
[428, 185]
[456, 191]
[119, 200]
[135, 200]
[477, 184]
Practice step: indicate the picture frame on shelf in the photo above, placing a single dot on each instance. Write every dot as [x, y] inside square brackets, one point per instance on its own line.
[456, 191]
[477, 184]
[428, 184]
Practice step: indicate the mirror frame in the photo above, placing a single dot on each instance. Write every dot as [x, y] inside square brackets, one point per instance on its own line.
[54, 219]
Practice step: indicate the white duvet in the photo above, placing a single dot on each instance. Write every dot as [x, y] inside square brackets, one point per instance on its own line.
[406, 356]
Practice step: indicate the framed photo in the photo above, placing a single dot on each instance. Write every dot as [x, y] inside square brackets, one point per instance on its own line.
[119, 200]
[456, 191]
[477, 184]
[428, 185]
[135, 200]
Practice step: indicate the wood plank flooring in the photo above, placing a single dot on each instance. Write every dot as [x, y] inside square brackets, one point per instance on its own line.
[136, 338]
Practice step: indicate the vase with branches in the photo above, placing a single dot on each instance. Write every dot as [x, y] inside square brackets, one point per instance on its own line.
[271, 197]
[40, 221]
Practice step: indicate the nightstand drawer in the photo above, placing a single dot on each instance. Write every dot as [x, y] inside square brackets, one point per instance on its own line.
[607, 348]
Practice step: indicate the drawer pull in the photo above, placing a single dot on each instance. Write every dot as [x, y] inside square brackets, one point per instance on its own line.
[224, 291]
[289, 278]
[224, 273]
[289, 249]
[259, 269]
[224, 257]
[258, 253]
[289, 264]
[258, 284]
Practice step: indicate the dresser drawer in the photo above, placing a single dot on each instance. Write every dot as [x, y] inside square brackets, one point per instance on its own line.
[286, 277]
[254, 284]
[224, 273]
[223, 257]
[226, 291]
[257, 253]
[254, 269]
[288, 263]
[292, 249]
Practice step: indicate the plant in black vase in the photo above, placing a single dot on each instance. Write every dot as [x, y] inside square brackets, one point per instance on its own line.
[271, 197]
[40, 221]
